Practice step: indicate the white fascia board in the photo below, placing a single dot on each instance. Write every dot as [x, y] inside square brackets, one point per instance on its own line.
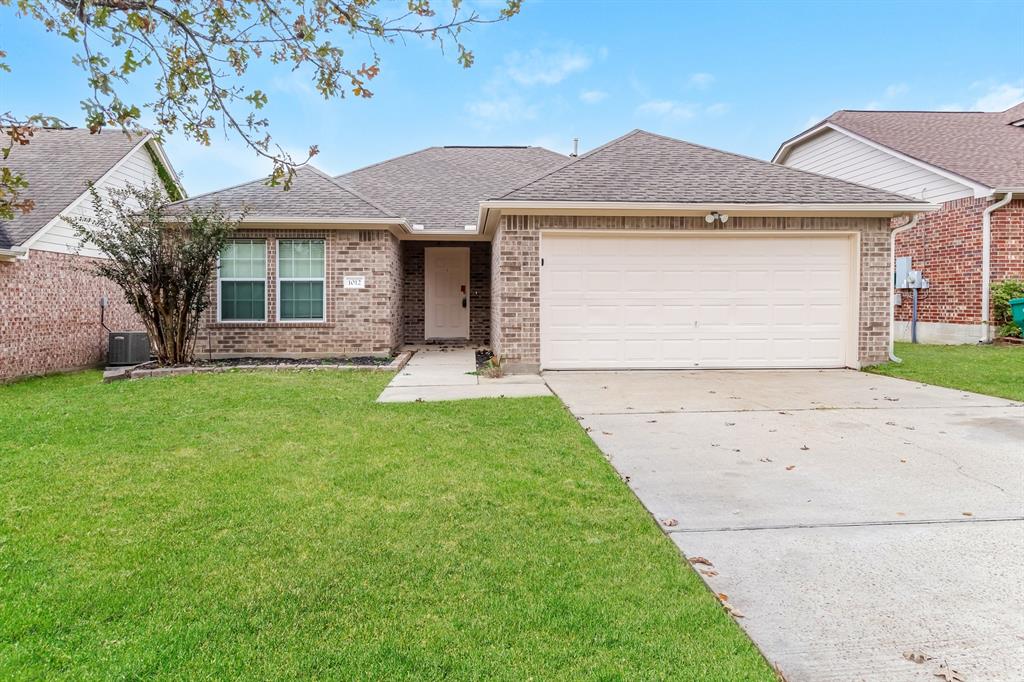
[85, 195]
[748, 209]
[159, 150]
[979, 189]
[340, 220]
[14, 253]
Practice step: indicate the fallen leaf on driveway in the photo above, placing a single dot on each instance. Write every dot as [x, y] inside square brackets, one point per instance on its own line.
[730, 423]
[892, 400]
[733, 611]
[916, 656]
[765, 459]
[903, 461]
[791, 467]
[948, 674]
[804, 447]
[723, 596]
[901, 514]
[968, 513]
[710, 574]
[652, 421]
[669, 522]
[607, 433]
[700, 560]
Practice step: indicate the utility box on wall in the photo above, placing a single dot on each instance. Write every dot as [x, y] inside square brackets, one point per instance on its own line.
[903, 267]
[127, 348]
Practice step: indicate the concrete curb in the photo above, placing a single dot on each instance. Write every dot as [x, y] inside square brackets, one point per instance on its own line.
[132, 374]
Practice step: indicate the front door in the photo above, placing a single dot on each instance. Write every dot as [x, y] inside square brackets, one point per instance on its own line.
[446, 293]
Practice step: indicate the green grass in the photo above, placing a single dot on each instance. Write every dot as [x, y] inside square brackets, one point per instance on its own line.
[282, 525]
[992, 370]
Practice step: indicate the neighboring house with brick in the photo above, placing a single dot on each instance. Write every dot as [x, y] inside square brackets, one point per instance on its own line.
[972, 163]
[647, 252]
[49, 302]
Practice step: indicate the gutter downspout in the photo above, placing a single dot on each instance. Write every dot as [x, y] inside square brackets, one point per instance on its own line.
[986, 264]
[892, 283]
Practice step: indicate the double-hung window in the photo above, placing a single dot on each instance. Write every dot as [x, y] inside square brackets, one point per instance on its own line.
[300, 280]
[242, 281]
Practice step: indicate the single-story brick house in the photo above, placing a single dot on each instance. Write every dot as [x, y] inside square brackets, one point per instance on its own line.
[972, 163]
[49, 303]
[646, 252]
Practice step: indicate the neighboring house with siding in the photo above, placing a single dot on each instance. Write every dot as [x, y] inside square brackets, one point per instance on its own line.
[646, 252]
[972, 163]
[49, 302]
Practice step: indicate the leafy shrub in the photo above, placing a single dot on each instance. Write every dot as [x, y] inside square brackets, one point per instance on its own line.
[1001, 295]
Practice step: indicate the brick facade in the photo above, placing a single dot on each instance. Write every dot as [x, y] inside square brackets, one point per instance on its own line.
[515, 274]
[357, 321]
[50, 314]
[947, 247]
[479, 289]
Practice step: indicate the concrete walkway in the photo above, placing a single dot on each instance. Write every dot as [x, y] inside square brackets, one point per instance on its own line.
[449, 374]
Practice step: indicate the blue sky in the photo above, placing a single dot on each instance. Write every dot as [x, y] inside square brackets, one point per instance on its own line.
[737, 76]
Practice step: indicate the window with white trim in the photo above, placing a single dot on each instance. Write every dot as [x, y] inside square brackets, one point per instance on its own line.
[300, 280]
[242, 281]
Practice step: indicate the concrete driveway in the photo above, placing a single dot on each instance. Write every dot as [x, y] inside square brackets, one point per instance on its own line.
[850, 518]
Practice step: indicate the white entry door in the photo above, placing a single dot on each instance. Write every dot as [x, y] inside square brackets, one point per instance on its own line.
[702, 301]
[446, 293]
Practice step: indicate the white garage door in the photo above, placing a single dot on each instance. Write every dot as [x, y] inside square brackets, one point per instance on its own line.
[657, 301]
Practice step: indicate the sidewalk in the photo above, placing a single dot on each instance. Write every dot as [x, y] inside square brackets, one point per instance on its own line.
[449, 374]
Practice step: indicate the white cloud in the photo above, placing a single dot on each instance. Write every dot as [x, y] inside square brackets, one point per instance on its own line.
[497, 109]
[593, 96]
[999, 97]
[717, 109]
[539, 68]
[811, 122]
[896, 89]
[666, 108]
[293, 84]
[701, 80]
[873, 105]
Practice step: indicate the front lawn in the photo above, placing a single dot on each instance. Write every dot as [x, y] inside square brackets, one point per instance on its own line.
[992, 370]
[283, 525]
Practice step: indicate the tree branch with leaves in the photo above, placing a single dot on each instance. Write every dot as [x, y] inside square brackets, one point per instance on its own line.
[198, 54]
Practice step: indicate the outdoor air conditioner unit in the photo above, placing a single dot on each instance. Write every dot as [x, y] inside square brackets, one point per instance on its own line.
[127, 348]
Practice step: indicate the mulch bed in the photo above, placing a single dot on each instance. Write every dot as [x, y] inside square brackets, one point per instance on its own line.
[362, 361]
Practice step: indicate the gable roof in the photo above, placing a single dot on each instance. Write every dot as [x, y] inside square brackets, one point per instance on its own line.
[313, 194]
[982, 147]
[649, 168]
[441, 187]
[59, 164]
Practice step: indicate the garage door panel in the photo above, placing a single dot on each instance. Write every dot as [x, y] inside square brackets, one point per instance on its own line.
[687, 301]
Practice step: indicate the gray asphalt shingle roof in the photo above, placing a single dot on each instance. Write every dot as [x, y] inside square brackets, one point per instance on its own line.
[59, 164]
[313, 194]
[441, 187]
[646, 167]
[980, 146]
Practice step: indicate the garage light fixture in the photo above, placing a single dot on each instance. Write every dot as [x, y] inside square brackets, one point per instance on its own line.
[716, 216]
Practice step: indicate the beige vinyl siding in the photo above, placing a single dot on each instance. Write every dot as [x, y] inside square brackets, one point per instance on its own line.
[840, 156]
[137, 168]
